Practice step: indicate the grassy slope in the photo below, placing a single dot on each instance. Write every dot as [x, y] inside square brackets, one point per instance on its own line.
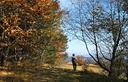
[45, 74]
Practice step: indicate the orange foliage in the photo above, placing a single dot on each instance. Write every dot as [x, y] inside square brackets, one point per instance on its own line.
[80, 60]
[30, 23]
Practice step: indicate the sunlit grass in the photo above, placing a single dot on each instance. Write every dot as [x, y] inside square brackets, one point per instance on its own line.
[91, 68]
[46, 73]
[5, 73]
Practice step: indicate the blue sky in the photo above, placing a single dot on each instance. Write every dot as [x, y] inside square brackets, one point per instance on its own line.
[65, 3]
[74, 46]
[78, 47]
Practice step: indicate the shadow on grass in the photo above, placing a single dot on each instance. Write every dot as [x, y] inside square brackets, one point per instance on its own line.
[52, 75]
[85, 77]
[10, 79]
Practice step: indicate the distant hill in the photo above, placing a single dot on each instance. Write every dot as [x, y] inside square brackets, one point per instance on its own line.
[89, 60]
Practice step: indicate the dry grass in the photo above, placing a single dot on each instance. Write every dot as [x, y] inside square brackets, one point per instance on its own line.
[48, 74]
[5, 73]
[94, 68]
[90, 68]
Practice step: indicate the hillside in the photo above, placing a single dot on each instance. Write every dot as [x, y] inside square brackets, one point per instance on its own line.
[49, 74]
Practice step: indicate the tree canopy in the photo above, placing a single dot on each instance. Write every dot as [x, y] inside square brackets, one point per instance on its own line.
[28, 27]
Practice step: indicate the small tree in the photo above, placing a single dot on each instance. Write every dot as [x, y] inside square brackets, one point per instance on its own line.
[80, 60]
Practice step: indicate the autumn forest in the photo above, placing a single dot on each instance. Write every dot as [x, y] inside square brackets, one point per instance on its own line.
[34, 36]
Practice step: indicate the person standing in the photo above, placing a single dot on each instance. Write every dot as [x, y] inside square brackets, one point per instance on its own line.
[74, 62]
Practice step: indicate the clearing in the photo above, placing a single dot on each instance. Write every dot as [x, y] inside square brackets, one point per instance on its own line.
[48, 74]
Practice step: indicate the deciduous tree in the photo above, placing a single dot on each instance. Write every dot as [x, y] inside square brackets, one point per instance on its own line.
[26, 28]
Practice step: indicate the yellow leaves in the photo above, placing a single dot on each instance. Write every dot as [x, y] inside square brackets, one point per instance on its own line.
[14, 30]
[31, 24]
[48, 10]
[5, 20]
[55, 5]
[21, 22]
[30, 32]
[44, 1]
[11, 21]
[10, 24]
